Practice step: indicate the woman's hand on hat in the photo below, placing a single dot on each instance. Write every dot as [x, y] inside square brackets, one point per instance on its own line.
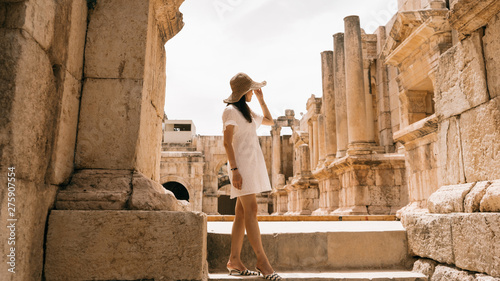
[259, 94]
[237, 180]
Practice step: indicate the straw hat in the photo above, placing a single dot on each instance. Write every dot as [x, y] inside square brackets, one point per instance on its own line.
[241, 84]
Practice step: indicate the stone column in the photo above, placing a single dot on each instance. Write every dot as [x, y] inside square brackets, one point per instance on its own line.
[329, 104]
[315, 146]
[340, 95]
[311, 143]
[355, 88]
[322, 139]
[276, 154]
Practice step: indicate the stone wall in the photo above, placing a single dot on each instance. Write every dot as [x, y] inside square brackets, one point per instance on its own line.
[458, 230]
[41, 50]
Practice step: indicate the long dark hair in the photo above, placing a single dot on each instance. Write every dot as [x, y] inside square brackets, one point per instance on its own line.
[243, 108]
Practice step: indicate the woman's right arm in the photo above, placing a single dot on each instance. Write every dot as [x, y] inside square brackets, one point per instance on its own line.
[228, 145]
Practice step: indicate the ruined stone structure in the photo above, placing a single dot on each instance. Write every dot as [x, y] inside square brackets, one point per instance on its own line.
[409, 122]
[200, 166]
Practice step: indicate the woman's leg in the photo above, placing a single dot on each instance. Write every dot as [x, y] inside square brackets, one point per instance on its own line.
[237, 236]
[249, 203]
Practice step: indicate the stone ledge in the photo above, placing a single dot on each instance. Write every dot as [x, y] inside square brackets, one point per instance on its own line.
[125, 245]
[466, 16]
[481, 196]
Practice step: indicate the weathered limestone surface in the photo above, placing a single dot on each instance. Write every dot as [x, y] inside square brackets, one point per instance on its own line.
[449, 198]
[447, 273]
[29, 88]
[468, 15]
[476, 242]
[109, 124]
[473, 198]
[115, 190]
[491, 199]
[491, 45]
[31, 212]
[449, 157]
[480, 145]
[461, 77]
[469, 241]
[425, 266]
[126, 245]
[116, 42]
[430, 236]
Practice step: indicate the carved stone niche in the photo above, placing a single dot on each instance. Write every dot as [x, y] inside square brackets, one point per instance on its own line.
[415, 43]
[415, 105]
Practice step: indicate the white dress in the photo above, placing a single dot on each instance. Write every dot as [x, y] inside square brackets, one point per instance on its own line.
[247, 152]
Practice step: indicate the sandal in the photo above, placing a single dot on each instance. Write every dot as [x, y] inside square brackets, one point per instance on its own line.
[245, 272]
[273, 276]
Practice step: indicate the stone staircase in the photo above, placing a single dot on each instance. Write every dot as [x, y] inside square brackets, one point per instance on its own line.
[320, 250]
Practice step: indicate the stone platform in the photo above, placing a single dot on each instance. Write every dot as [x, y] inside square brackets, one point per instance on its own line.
[379, 275]
[125, 245]
[317, 246]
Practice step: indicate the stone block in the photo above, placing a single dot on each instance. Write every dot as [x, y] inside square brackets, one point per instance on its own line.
[429, 236]
[33, 203]
[96, 190]
[109, 121]
[116, 39]
[461, 78]
[480, 144]
[476, 242]
[63, 154]
[36, 17]
[484, 277]
[425, 266]
[150, 195]
[28, 103]
[449, 198]
[447, 273]
[373, 250]
[313, 255]
[491, 199]
[449, 156]
[70, 26]
[473, 199]
[384, 177]
[491, 43]
[126, 245]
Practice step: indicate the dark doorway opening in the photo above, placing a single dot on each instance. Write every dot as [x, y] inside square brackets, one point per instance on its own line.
[225, 205]
[177, 189]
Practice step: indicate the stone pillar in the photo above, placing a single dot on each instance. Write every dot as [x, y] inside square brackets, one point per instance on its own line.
[311, 143]
[119, 128]
[322, 139]
[355, 88]
[329, 104]
[276, 154]
[315, 145]
[340, 95]
[370, 120]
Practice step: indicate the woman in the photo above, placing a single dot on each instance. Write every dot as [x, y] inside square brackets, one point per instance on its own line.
[248, 173]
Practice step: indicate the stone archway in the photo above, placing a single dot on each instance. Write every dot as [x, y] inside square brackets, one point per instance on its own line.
[178, 189]
[225, 205]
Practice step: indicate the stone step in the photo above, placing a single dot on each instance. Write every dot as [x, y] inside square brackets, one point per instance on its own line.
[333, 276]
[317, 246]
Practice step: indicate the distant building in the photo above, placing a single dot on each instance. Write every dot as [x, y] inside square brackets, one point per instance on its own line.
[178, 131]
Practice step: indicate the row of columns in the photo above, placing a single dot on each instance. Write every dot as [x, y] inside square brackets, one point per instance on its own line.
[348, 104]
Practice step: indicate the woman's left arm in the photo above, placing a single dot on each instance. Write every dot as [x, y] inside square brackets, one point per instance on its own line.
[268, 119]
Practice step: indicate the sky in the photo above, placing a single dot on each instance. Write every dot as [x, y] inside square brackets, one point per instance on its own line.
[279, 41]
